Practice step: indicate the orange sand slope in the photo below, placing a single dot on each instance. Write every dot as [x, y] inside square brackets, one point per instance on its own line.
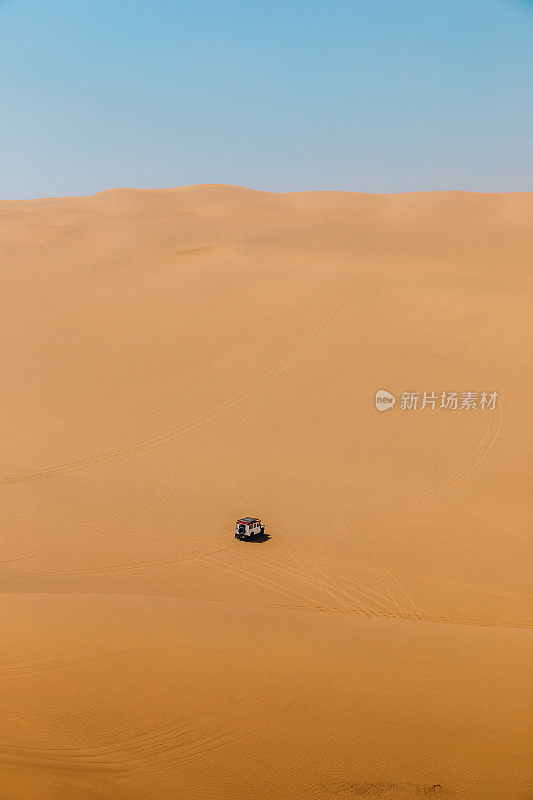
[173, 360]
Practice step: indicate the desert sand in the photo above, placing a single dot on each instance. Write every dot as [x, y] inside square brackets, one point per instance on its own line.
[173, 360]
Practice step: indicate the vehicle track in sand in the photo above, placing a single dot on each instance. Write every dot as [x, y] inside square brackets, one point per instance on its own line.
[282, 366]
[27, 670]
[206, 368]
[306, 570]
[157, 747]
[267, 379]
[364, 599]
[207, 415]
[354, 790]
[348, 596]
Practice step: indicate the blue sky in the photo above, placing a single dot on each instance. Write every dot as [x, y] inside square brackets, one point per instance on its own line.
[365, 95]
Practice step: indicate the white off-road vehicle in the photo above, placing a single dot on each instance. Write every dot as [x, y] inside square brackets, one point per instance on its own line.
[248, 527]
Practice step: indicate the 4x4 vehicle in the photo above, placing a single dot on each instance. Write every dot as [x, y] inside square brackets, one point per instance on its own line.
[248, 527]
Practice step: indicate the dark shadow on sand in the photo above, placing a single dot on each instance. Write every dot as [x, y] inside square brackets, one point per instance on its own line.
[258, 538]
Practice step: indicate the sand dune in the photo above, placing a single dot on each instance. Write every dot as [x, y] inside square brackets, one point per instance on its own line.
[176, 359]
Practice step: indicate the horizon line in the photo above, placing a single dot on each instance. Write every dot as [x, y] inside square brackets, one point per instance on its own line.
[257, 191]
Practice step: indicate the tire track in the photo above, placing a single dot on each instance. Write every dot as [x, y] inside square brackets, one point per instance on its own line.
[469, 622]
[280, 368]
[192, 424]
[307, 572]
[25, 670]
[341, 523]
[163, 746]
[485, 446]
[205, 368]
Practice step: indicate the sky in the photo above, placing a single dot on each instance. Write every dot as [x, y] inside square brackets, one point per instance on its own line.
[281, 95]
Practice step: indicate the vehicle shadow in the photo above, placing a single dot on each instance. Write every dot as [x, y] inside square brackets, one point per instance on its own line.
[260, 537]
